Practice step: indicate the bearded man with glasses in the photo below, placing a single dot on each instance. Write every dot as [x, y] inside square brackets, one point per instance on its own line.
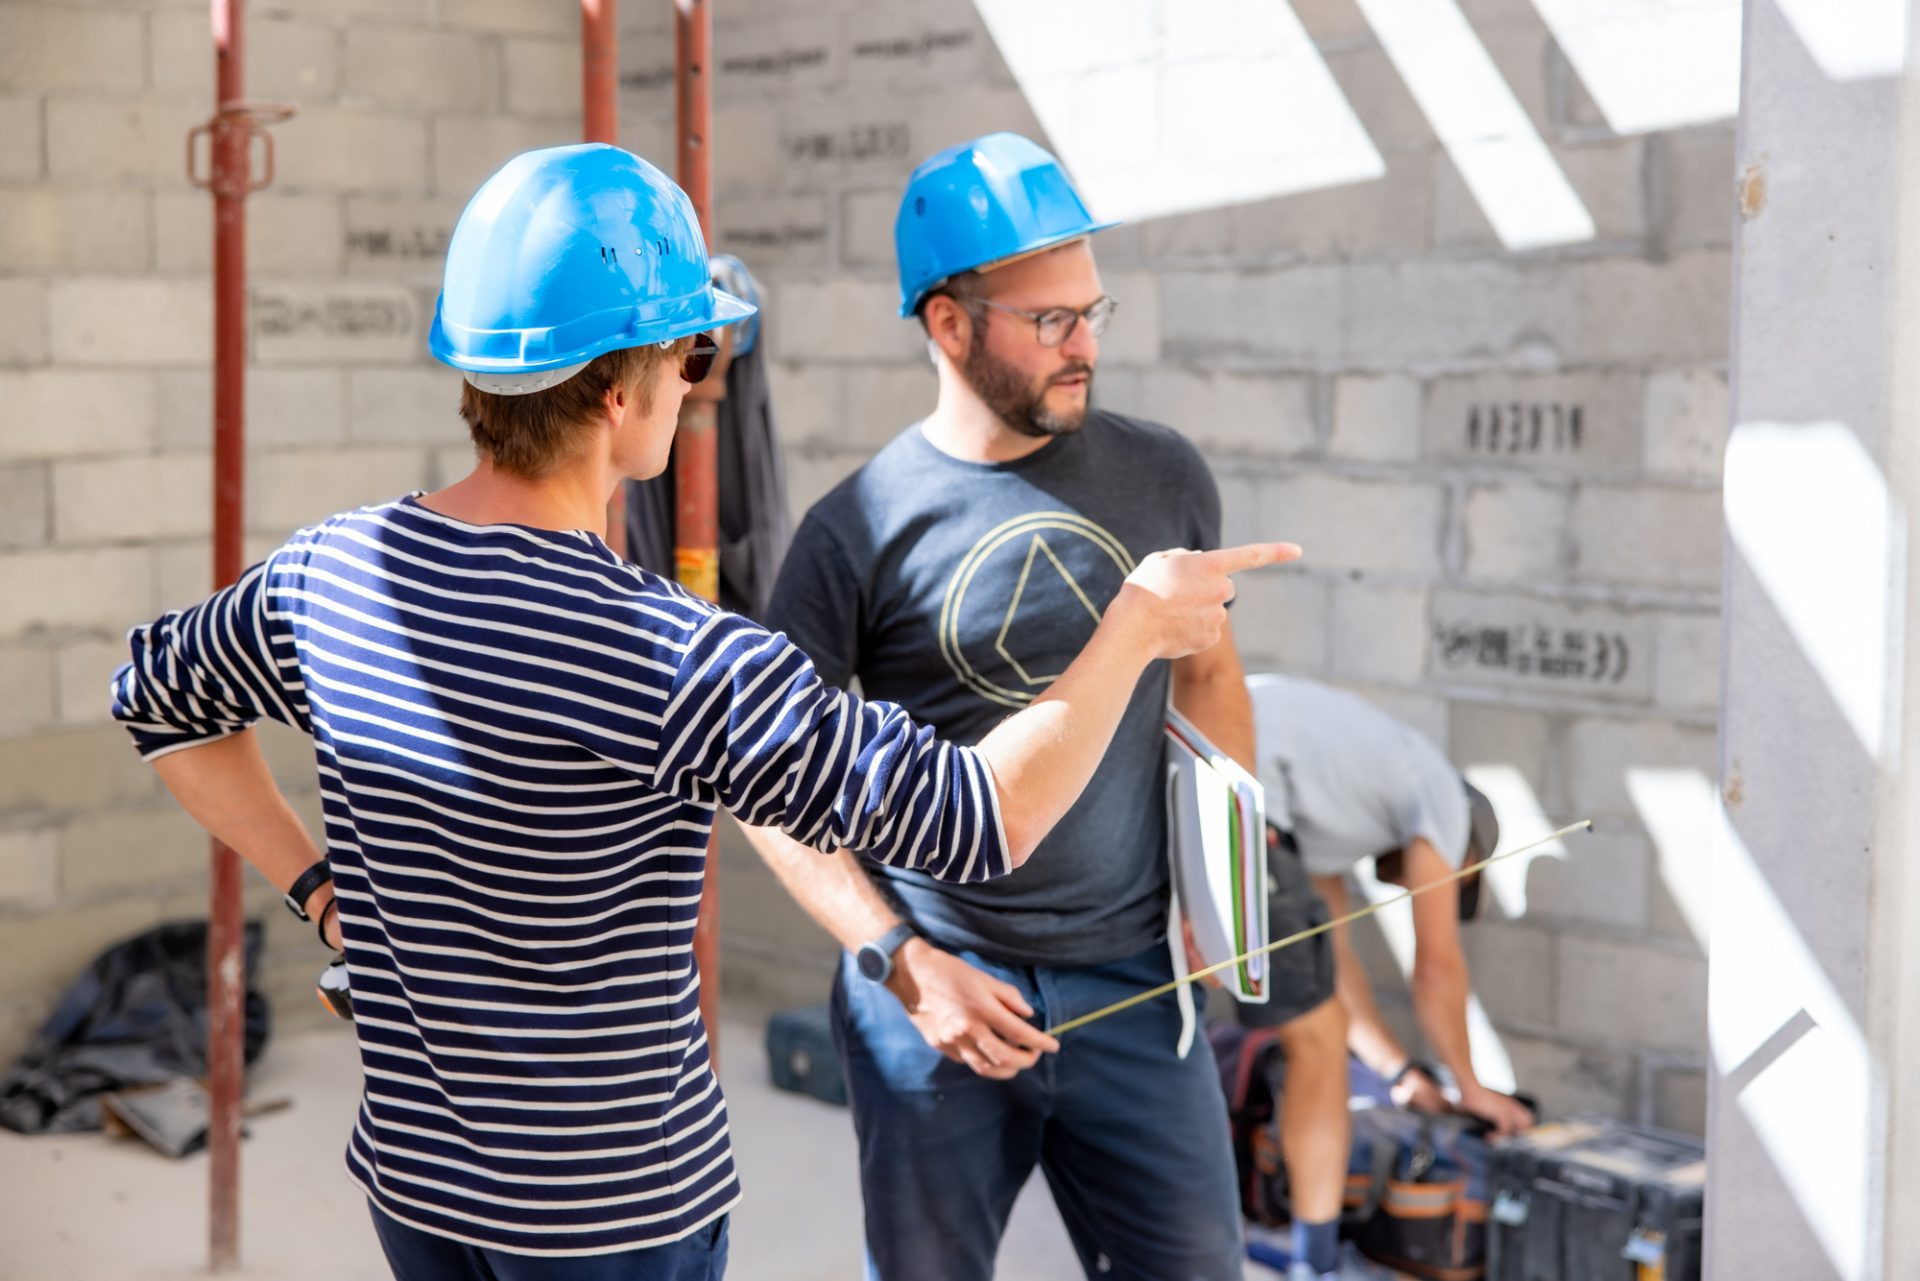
[955, 574]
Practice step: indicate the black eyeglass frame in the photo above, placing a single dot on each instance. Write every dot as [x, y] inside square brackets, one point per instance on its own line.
[1097, 314]
[698, 362]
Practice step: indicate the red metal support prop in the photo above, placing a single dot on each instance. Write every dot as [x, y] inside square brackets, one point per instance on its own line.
[230, 133]
[696, 446]
[600, 122]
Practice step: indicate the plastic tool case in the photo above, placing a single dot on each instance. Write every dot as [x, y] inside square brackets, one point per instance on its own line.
[1596, 1201]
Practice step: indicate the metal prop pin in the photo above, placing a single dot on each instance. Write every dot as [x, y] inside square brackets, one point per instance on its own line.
[1585, 824]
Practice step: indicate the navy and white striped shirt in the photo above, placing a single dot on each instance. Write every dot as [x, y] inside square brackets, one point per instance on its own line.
[522, 742]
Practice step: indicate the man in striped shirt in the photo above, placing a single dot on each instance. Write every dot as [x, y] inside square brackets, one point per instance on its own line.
[523, 741]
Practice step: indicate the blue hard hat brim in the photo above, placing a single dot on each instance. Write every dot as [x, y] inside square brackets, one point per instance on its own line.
[724, 309]
[910, 308]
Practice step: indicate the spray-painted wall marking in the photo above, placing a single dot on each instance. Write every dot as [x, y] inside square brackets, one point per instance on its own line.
[853, 144]
[912, 48]
[402, 244]
[1552, 652]
[776, 62]
[1590, 651]
[1520, 428]
[1585, 422]
[300, 324]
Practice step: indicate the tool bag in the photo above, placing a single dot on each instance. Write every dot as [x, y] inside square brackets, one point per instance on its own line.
[1416, 1195]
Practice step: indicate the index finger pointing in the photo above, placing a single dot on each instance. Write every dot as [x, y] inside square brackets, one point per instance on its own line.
[1234, 560]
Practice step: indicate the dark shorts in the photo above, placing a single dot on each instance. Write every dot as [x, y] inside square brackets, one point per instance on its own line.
[1300, 977]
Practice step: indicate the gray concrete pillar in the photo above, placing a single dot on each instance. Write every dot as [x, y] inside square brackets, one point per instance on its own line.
[1814, 975]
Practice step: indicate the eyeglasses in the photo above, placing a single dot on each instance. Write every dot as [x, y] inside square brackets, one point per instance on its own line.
[698, 363]
[1055, 325]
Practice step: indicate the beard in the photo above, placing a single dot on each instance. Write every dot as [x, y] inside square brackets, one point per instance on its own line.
[1016, 400]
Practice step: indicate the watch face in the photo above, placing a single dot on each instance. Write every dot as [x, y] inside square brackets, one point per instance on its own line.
[872, 962]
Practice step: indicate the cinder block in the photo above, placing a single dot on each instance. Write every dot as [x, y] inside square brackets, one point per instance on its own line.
[24, 507]
[72, 772]
[468, 149]
[1235, 413]
[46, 230]
[93, 141]
[130, 322]
[808, 410]
[1687, 423]
[1630, 310]
[1133, 337]
[26, 695]
[353, 151]
[400, 237]
[1602, 753]
[47, 951]
[748, 155]
[1519, 642]
[66, 413]
[126, 849]
[1332, 22]
[1486, 736]
[1571, 1080]
[919, 45]
[1512, 967]
[81, 672]
[1195, 237]
[421, 70]
[1680, 1100]
[1701, 180]
[1386, 527]
[858, 139]
[866, 228]
[1687, 662]
[1602, 879]
[1609, 178]
[285, 408]
[1379, 96]
[183, 570]
[107, 500]
[21, 133]
[286, 235]
[29, 868]
[287, 60]
[811, 474]
[444, 466]
[341, 12]
[292, 490]
[1281, 620]
[1633, 994]
[336, 324]
[1376, 419]
[407, 406]
[1518, 532]
[543, 77]
[882, 401]
[1384, 215]
[1587, 424]
[1292, 316]
[1245, 516]
[755, 61]
[67, 47]
[1396, 313]
[516, 17]
[1654, 537]
[1379, 633]
[23, 324]
[842, 320]
[89, 589]
[1421, 713]
[768, 232]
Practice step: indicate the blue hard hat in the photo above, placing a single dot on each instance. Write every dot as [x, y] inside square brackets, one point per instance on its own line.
[732, 276]
[568, 253]
[980, 203]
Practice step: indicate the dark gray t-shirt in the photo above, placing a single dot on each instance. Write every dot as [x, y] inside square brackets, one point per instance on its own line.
[960, 591]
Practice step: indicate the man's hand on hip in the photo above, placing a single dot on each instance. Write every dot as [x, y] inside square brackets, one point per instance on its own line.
[967, 1014]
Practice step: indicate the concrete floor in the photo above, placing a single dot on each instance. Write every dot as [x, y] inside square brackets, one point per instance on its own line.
[86, 1208]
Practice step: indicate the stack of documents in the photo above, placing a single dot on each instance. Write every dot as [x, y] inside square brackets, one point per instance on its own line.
[1217, 845]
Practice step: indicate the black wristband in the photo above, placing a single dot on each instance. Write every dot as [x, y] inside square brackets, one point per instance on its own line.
[1411, 1065]
[320, 924]
[303, 887]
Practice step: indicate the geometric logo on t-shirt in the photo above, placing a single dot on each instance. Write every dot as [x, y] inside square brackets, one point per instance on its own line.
[1016, 595]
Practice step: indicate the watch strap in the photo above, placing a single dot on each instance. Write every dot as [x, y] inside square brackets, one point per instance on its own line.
[303, 887]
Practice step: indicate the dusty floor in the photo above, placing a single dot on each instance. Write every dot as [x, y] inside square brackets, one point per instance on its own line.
[85, 1208]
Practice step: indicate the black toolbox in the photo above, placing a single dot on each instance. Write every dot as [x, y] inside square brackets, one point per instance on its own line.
[1596, 1201]
[800, 1053]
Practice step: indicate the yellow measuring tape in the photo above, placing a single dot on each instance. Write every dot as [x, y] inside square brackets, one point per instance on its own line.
[1585, 824]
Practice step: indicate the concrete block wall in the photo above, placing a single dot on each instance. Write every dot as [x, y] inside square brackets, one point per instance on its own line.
[105, 342]
[1503, 466]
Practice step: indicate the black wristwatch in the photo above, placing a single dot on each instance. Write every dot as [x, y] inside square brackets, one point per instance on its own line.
[303, 887]
[876, 959]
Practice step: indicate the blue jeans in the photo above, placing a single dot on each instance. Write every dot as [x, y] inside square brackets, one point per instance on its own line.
[1132, 1139]
[415, 1255]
